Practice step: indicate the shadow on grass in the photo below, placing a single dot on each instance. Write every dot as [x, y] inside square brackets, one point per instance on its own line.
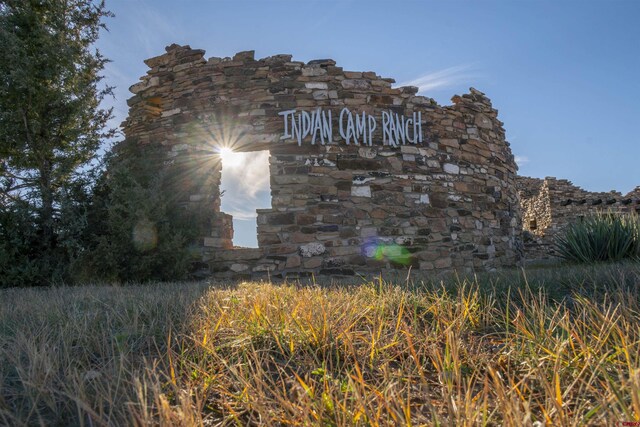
[556, 345]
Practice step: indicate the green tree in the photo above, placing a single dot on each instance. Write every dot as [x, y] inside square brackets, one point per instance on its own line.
[51, 121]
[138, 229]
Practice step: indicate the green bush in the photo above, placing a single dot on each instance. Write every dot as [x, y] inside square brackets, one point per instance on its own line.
[137, 228]
[601, 237]
[25, 257]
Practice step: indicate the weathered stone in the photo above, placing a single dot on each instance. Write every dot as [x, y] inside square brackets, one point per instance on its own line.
[451, 168]
[170, 113]
[367, 153]
[361, 191]
[483, 121]
[314, 262]
[550, 204]
[293, 261]
[239, 267]
[330, 199]
[316, 85]
[356, 84]
[146, 84]
[313, 71]
[312, 249]
[247, 55]
[281, 218]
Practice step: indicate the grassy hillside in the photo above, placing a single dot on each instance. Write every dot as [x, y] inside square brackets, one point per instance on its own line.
[555, 346]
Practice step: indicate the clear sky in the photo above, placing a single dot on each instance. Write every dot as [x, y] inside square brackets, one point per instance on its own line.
[564, 75]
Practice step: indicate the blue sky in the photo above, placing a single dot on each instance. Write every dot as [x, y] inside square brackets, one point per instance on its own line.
[564, 75]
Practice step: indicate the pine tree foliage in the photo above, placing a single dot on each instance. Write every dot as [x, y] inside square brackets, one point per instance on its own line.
[51, 121]
[138, 229]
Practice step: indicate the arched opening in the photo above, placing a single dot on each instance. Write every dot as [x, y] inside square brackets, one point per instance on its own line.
[245, 187]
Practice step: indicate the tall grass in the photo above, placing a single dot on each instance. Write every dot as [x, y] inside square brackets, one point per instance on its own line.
[471, 352]
[601, 237]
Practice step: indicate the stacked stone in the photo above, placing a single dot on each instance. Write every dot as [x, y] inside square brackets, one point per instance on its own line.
[447, 203]
[535, 204]
[549, 204]
[221, 235]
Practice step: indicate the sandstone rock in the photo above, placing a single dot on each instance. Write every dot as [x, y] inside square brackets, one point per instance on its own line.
[139, 87]
[314, 262]
[170, 113]
[293, 261]
[483, 121]
[356, 84]
[313, 71]
[316, 85]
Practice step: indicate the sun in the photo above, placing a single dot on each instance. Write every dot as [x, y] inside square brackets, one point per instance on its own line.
[230, 158]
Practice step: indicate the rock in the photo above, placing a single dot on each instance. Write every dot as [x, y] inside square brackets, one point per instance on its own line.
[451, 168]
[149, 83]
[483, 122]
[239, 267]
[312, 249]
[313, 71]
[361, 191]
[293, 261]
[247, 55]
[314, 262]
[170, 113]
[357, 84]
[316, 85]
[368, 153]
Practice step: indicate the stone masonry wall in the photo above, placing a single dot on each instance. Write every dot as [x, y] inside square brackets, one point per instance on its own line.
[447, 202]
[549, 204]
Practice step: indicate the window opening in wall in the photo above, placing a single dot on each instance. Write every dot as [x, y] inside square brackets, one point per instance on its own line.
[245, 187]
[533, 224]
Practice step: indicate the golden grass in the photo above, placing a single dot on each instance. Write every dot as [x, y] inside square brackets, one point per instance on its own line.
[562, 349]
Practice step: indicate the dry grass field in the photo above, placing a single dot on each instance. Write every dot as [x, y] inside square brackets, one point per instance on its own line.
[557, 346]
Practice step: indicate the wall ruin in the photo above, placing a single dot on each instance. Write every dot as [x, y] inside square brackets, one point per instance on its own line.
[550, 204]
[443, 198]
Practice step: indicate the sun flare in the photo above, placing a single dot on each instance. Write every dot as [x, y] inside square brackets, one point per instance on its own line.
[230, 158]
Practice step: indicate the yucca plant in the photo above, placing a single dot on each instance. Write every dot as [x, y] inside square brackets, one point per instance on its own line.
[600, 237]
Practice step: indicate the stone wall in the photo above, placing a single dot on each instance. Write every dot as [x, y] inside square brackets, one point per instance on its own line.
[446, 202]
[549, 204]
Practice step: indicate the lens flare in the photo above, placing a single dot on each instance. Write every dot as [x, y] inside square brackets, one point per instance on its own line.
[230, 159]
[386, 251]
[144, 235]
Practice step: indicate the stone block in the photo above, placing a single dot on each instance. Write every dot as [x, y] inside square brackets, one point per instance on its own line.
[361, 191]
[293, 261]
[312, 249]
[356, 84]
[239, 267]
[284, 218]
[313, 262]
[451, 168]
